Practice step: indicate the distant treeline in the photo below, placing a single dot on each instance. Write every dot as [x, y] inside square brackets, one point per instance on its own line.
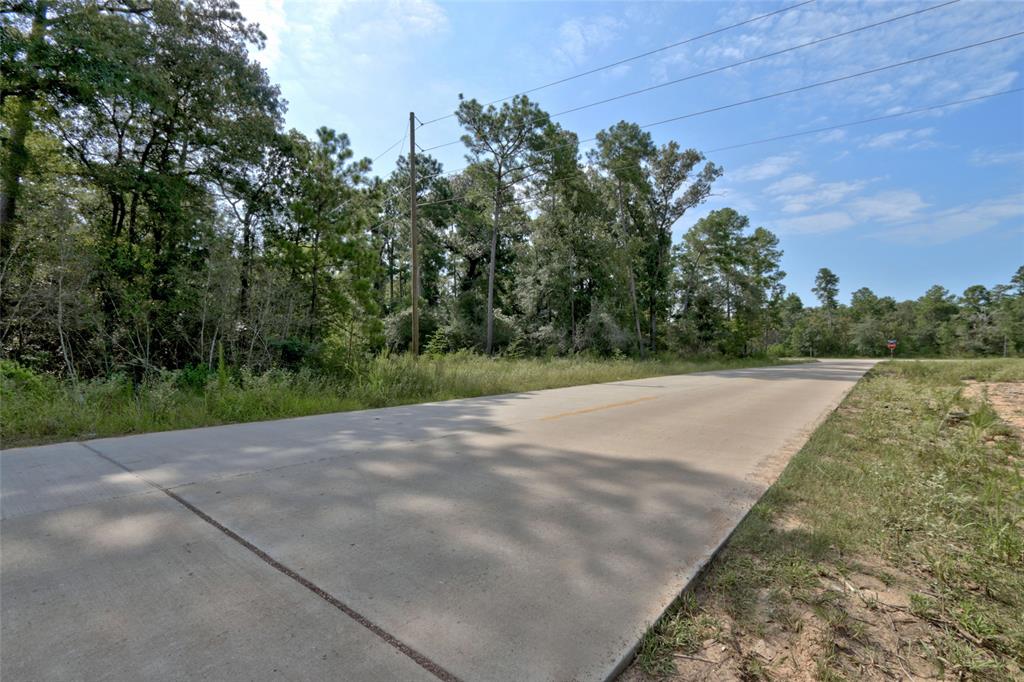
[156, 214]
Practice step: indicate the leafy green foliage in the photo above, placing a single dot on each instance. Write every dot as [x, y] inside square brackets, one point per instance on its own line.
[160, 217]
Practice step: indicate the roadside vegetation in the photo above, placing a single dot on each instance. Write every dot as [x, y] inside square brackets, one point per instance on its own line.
[159, 221]
[156, 208]
[39, 408]
[892, 546]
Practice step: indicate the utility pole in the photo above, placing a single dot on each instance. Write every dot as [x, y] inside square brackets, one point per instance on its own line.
[414, 237]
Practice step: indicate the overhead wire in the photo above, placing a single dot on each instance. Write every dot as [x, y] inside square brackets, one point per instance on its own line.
[392, 196]
[743, 144]
[838, 79]
[774, 95]
[759, 99]
[863, 121]
[375, 159]
[719, 69]
[400, 141]
[765, 140]
[634, 57]
[751, 60]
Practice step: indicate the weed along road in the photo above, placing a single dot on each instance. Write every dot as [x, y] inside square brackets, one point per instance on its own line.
[530, 536]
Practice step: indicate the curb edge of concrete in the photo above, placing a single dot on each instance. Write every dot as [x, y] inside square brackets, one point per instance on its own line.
[630, 654]
[628, 657]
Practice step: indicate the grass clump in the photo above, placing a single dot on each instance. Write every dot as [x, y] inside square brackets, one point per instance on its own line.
[892, 546]
[36, 408]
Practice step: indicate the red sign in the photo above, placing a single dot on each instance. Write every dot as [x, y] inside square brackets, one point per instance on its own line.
[891, 345]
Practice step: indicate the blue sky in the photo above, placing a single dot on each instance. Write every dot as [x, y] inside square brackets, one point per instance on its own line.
[896, 205]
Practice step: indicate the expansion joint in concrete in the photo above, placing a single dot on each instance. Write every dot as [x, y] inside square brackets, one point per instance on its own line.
[420, 659]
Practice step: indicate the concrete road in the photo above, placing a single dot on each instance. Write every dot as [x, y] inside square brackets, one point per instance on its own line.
[531, 536]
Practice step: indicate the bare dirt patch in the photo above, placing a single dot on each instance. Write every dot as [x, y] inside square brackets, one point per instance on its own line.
[1006, 398]
[863, 612]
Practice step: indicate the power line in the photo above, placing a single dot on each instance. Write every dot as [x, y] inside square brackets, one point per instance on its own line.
[439, 146]
[830, 81]
[863, 121]
[726, 67]
[398, 142]
[761, 98]
[744, 62]
[873, 119]
[634, 57]
[375, 159]
[790, 91]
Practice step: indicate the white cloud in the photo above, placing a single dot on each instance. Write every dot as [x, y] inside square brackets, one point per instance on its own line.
[914, 224]
[370, 27]
[792, 183]
[349, 64]
[765, 169]
[670, 65]
[832, 136]
[961, 221]
[889, 206]
[886, 140]
[982, 157]
[345, 33]
[908, 212]
[905, 139]
[977, 71]
[821, 223]
[579, 37]
[269, 14]
[724, 196]
[823, 194]
[618, 71]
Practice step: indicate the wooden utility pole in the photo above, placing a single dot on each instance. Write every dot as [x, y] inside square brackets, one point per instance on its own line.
[414, 237]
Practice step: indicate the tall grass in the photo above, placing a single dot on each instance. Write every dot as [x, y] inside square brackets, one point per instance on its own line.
[39, 408]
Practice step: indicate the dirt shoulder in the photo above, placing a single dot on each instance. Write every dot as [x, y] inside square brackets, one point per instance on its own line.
[1005, 397]
[892, 547]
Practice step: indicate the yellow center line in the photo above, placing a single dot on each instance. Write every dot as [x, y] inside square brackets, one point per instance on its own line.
[597, 408]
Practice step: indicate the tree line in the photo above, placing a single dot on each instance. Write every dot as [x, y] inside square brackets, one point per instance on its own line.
[156, 213]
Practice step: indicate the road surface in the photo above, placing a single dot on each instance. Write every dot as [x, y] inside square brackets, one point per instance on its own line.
[532, 536]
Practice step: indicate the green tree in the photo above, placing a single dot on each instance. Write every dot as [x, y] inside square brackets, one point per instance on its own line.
[152, 125]
[499, 141]
[721, 266]
[51, 59]
[974, 326]
[762, 289]
[670, 169]
[826, 288]
[566, 275]
[1009, 313]
[324, 245]
[934, 310]
[621, 154]
[253, 194]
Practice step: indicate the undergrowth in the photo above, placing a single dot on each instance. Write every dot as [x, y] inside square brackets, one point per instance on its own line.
[36, 408]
